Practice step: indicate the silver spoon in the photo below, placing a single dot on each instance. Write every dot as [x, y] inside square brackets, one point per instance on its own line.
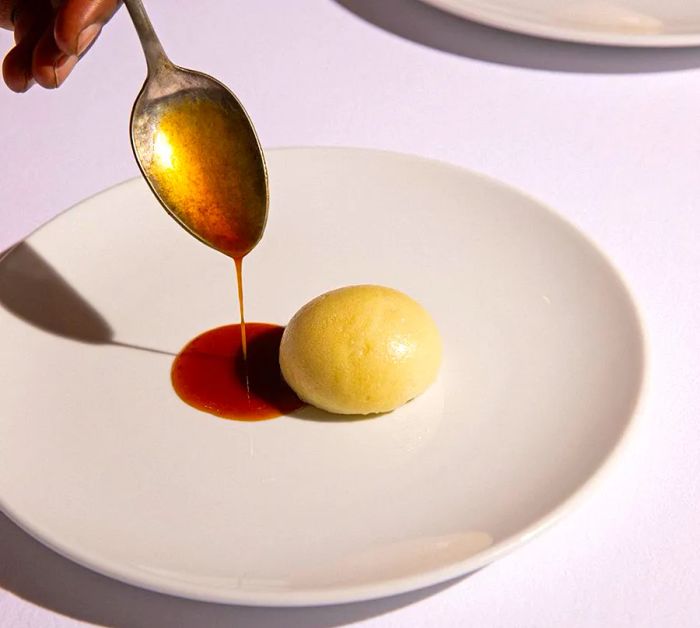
[198, 150]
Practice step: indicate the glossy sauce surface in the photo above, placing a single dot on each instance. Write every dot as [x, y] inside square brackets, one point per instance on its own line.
[205, 168]
[211, 375]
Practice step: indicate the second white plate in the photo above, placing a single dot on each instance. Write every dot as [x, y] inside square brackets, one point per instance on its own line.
[658, 23]
[101, 460]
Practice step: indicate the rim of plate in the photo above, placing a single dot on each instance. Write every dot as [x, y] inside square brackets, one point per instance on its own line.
[393, 586]
[524, 26]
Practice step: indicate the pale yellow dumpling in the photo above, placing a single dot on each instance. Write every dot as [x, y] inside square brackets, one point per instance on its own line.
[360, 350]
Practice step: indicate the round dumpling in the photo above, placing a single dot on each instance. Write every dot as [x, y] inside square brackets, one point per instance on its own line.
[360, 350]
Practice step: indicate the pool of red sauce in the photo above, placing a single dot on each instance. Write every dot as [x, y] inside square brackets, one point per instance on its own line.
[211, 375]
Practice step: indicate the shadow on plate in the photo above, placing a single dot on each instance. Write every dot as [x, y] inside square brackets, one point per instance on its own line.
[429, 26]
[32, 290]
[39, 575]
[309, 413]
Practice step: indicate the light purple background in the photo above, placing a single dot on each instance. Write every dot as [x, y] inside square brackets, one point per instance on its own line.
[609, 137]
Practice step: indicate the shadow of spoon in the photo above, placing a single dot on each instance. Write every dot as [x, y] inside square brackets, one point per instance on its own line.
[32, 290]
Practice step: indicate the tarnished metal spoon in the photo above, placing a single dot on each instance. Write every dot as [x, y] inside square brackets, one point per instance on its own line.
[198, 150]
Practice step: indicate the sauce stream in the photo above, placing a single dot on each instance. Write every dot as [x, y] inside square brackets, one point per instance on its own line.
[239, 279]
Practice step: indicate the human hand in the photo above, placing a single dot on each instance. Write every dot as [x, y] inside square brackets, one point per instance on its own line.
[50, 36]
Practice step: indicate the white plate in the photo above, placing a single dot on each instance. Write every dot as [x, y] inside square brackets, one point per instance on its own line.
[613, 22]
[100, 460]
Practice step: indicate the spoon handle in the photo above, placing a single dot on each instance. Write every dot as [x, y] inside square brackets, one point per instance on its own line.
[156, 58]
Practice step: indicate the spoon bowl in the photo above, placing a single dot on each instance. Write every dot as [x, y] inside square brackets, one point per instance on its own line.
[198, 150]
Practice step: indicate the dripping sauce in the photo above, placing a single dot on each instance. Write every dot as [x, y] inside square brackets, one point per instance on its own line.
[239, 281]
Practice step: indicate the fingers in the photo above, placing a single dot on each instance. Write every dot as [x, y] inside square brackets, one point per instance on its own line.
[50, 36]
[50, 65]
[31, 19]
[6, 9]
[78, 23]
[16, 70]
